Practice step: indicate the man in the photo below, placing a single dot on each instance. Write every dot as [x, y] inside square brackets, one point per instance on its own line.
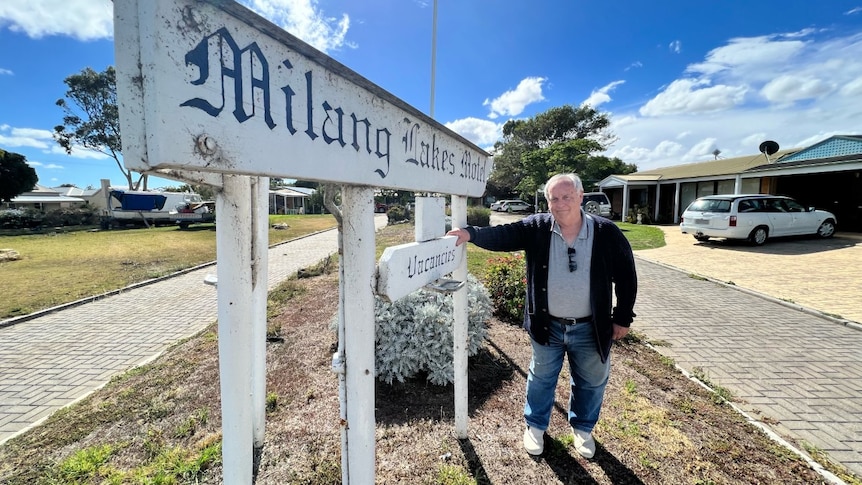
[575, 264]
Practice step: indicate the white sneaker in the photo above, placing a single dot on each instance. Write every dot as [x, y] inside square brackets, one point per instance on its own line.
[585, 445]
[534, 440]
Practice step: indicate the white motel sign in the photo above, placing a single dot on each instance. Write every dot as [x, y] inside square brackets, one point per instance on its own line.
[209, 91]
[226, 91]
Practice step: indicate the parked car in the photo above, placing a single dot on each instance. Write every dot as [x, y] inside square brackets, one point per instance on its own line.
[755, 217]
[597, 203]
[515, 206]
[497, 206]
[380, 207]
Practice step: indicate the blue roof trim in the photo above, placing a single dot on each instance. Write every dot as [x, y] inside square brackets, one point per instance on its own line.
[836, 146]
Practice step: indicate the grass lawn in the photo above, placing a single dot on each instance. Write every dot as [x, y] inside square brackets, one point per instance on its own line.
[60, 267]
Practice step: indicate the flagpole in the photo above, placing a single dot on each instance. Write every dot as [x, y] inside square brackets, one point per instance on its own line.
[433, 56]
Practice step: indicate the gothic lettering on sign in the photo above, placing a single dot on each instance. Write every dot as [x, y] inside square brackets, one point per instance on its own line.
[230, 62]
[417, 265]
[220, 63]
[248, 69]
[425, 153]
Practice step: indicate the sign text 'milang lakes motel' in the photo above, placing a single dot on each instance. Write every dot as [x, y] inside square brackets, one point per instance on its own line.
[307, 117]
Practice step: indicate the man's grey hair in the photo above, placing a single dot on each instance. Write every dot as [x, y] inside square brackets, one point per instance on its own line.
[572, 177]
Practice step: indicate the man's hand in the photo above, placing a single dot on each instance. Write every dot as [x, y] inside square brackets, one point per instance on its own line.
[462, 235]
[620, 331]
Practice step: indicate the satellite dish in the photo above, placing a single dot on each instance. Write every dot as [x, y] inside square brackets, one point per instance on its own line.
[716, 153]
[768, 147]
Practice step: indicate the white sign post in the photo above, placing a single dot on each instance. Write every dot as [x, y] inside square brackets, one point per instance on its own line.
[460, 336]
[208, 89]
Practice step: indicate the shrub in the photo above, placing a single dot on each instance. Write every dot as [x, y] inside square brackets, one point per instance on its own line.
[20, 218]
[478, 216]
[397, 213]
[414, 333]
[506, 281]
[31, 218]
[71, 216]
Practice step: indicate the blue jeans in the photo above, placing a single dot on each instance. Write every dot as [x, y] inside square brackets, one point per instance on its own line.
[589, 376]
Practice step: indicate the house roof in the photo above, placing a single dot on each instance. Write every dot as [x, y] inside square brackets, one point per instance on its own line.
[43, 195]
[838, 151]
[46, 199]
[711, 168]
[75, 191]
[304, 190]
[834, 147]
[288, 192]
[722, 166]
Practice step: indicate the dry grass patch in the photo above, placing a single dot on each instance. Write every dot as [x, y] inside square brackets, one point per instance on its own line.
[61, 267]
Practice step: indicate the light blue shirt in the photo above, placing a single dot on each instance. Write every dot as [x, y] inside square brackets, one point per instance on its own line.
[569, 291]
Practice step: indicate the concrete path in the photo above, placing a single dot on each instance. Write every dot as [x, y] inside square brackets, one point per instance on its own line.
[799, 370]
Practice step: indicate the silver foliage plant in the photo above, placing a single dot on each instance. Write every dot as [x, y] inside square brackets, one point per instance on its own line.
[414, 333]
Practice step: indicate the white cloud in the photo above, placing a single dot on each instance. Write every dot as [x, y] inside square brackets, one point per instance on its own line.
[600, 96]
[752, 54]
[93, 19]
[853, 10]
[694, 96]
[304, 19]
[42, 140]
[79, 152]
[5, 72]
[754, 140]
[633, 65]
[789, 88]
[483, 133]
[702, 149]
[81, 19]
[853, 88]
[625, 120]
[40, 166]
[513, 102]
[25, 137]
[668, 148]
[675, 47]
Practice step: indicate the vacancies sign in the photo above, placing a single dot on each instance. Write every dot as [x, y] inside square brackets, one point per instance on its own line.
[408, 267]
[210, 86]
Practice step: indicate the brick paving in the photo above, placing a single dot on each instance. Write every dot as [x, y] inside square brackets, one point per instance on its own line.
[777, 325]
[782, 358]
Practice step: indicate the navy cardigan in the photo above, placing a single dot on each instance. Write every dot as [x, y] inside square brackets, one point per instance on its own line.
[612, 270]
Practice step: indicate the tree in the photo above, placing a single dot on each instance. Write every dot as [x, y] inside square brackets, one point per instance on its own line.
[93, 119]
[16, 175]
[562, 139]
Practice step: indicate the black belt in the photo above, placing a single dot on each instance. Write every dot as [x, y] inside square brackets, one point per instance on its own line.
[573, 321]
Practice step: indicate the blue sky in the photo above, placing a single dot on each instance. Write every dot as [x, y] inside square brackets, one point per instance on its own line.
[679, 78]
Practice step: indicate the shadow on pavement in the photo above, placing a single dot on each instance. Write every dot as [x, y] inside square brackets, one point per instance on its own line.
[791, 246]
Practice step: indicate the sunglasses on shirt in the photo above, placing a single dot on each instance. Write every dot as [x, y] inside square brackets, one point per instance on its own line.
[573, 265]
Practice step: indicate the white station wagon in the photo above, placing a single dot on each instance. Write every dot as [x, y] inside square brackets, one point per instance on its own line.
[755, 217]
